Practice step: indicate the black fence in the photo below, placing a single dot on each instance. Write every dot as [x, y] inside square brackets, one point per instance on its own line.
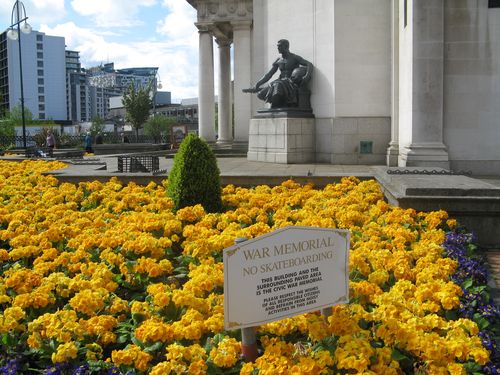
[142, 163]
[71, 141]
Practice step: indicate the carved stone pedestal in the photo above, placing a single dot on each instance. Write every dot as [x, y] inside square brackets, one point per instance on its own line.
[283, 140]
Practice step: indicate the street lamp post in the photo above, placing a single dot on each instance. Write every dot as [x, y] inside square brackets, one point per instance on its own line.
[17, 17]
[157, 85]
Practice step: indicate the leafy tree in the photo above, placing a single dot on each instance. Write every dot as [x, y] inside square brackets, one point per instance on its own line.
[97, 126]
[137, 102]
[195, 176]
[7, 128]
[157, 125]
[16, 118]
[12, 119]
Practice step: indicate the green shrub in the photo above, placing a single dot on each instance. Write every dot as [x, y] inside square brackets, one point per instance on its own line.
[195, 177]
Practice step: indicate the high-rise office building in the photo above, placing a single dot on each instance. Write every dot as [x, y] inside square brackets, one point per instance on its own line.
[44, 75]
[105, 82]
[77, 90]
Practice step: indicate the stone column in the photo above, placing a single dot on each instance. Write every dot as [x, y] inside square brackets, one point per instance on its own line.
[206, 98]
[225, 130]
[242, 78]
[393, 149]
[423, 132]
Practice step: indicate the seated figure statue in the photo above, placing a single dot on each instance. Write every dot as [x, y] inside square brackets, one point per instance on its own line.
[290, 89]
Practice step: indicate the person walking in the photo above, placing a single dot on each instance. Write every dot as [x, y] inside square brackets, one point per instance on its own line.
[88, 142]
[50, 141]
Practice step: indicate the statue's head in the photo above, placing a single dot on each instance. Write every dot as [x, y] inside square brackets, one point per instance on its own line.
[283, 45]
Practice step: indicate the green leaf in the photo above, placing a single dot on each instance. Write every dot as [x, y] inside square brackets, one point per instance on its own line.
[472, 367]
[377, 344]
[398, 356]
[482, 322]
[122, 339]
[137, 318]
[405, 361]
[451, 315]
[154, 347]
[468, 283]
[137, 342]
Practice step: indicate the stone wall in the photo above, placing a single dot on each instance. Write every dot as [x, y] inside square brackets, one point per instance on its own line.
[352, 140]
[472, 86]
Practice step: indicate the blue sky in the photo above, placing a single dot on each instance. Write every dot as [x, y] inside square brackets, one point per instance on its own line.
[130, 33]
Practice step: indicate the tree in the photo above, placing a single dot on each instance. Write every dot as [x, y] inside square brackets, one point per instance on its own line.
[97, 125]
[137, 102]
[16, 118]
[13, 119]
[157, 125]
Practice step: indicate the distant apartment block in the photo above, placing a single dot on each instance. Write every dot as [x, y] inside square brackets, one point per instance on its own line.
[77, 90]
[44, 75]
[107, 82]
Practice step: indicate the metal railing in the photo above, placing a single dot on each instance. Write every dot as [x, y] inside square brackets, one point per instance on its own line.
[71, 141]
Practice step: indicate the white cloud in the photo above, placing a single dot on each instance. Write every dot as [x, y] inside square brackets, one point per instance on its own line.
[38, 11]
[178, 64]
[179, 25]
[110, 13]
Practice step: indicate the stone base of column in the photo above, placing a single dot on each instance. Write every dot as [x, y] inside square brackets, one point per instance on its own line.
[428, 154]
[224, 143]
[392, 155]
[281, 140]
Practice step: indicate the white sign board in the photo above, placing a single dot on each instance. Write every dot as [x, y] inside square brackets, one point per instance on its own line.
[285, 273]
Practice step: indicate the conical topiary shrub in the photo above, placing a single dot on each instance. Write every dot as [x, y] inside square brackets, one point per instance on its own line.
[195, 177]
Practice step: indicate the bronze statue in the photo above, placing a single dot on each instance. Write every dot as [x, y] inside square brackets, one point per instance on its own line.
[290, 89]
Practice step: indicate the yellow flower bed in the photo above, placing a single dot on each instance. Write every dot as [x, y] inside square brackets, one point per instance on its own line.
[107, 274]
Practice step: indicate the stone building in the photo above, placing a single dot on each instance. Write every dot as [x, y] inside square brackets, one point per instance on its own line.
[396, 82]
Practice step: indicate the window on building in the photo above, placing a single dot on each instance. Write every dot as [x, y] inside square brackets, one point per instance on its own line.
[41, 116]
[39, 64]
[41, 107]
[40, 72]
[494, 4]
[39, 46]
[41, 90]
[41, 98]
[40, 81]
[39, 37]
[39, 55]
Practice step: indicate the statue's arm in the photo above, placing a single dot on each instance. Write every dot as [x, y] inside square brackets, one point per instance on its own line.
[309, 69]
[266, 76]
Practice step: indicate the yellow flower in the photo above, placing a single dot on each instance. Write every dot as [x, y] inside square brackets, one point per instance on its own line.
[153, 330]
[226, 353]
[162, 368]
[65, 352]
[132, 355]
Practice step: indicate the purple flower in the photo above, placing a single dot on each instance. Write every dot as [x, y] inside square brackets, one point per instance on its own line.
[58, 369]
[81, 370]
[475, 303]
[13, 366]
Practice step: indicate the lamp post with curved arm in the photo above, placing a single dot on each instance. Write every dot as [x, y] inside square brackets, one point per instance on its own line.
[17, 18]
[157, 86]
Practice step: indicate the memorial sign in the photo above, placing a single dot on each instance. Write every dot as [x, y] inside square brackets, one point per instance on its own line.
[285, 273]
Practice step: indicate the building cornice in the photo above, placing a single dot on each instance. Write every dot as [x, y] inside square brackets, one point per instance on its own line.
[223, 10]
